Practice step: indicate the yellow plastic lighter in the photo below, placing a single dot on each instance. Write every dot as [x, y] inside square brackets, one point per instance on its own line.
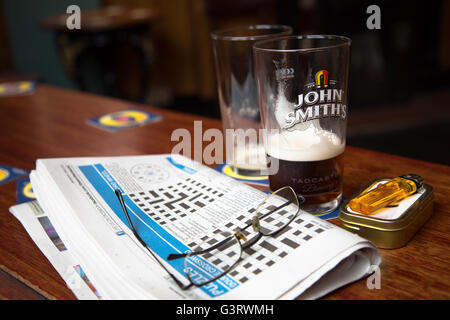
[386, 194]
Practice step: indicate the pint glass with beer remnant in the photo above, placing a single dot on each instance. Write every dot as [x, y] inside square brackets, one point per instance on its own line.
[238, 94]
[302, 83]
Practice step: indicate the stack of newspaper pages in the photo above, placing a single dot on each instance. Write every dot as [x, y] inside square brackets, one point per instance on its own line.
[175, 203]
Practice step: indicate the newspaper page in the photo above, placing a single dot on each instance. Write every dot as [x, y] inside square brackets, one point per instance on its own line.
[177, 204]
[41, 230]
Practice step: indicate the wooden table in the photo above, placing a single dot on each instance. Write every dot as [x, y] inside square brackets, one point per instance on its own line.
[52, 123]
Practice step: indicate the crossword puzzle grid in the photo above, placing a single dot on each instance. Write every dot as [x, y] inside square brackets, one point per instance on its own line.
[166, 205]
[267, 251]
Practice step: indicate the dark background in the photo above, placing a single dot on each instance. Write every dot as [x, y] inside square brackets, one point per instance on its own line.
[400, 74]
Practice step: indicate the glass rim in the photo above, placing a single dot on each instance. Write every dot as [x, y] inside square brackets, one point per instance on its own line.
[342, 41]
[224, 34]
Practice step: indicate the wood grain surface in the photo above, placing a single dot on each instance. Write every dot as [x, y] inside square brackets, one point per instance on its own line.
[52, 123]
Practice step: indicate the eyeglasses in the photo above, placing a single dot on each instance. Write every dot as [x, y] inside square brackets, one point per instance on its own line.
[222, 252]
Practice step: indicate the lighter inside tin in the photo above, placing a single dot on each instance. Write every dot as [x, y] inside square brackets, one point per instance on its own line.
[389, 234]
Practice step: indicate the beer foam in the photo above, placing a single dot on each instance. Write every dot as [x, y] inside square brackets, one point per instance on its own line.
[311, 144]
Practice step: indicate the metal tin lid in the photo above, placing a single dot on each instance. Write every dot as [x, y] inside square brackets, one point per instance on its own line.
[386, 224]
[390, 233]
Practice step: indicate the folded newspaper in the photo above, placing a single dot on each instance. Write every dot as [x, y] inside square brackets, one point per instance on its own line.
[176, 203]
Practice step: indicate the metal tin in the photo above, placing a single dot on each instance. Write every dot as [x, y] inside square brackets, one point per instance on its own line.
[389, 234]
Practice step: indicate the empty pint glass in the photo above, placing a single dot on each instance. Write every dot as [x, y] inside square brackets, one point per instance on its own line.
[303, 83]
[238, 95]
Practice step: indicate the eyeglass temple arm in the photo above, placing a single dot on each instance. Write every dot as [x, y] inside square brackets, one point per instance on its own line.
[124, 208]
[175, 256]
[245, 246]
[125, 211]
[275, 209]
